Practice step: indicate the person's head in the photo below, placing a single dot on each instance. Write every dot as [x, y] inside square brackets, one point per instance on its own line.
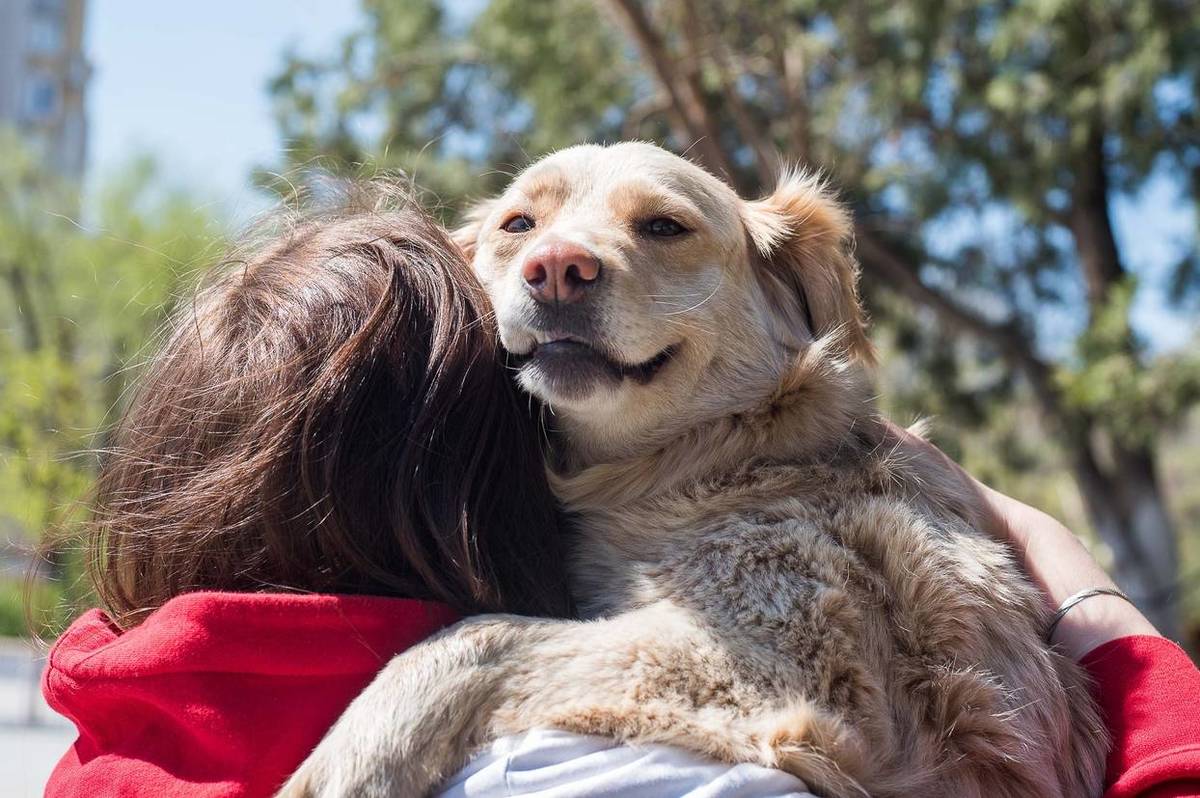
[331, 413]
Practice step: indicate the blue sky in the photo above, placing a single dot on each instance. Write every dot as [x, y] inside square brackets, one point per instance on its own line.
[187, 82]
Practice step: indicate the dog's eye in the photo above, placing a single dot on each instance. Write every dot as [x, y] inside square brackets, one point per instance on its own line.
[518, 224]
[663, 227]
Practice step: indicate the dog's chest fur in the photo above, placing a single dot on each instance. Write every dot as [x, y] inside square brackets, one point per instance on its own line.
[838, 588]
[825, 565]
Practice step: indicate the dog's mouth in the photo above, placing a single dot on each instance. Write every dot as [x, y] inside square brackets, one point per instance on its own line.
[571, 368]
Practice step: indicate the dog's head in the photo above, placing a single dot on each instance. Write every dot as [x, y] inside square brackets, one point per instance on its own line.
[640, 294]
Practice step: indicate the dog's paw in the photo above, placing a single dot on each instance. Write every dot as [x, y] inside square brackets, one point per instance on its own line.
[313, 780]
[300, 785]
[334, 771]
[413, 724]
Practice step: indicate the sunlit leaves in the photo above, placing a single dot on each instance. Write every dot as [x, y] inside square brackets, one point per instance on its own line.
[83, 287]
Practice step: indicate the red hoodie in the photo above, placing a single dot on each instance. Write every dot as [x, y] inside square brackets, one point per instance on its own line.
[217, 695]
[222, 695]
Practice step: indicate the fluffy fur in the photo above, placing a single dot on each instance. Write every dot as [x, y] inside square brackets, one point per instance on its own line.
[770, 574]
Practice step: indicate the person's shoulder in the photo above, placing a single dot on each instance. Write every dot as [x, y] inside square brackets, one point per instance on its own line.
[554, 764]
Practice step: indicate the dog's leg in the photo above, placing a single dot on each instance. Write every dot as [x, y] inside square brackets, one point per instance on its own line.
[421, 716]
[649, 675]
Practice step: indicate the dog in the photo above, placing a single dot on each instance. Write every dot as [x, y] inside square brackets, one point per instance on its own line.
[767, 571]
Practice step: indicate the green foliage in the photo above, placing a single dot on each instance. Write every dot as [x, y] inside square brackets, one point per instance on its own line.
[39, 608]
[12, 610]
[1109, 380]
[79, 302]
[524, 42]
[456, 102]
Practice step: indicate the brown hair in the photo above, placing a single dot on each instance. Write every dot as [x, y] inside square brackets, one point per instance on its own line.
[331, 414]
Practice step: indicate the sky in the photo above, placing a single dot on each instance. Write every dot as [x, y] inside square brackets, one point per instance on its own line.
[187, 81]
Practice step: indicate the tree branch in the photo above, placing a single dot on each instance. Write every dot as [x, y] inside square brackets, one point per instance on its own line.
[901, 275]
[690, 119]
[642, 110]
[697, 31]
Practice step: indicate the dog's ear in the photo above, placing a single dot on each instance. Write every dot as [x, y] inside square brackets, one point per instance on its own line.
[466, 235]
[803, 240]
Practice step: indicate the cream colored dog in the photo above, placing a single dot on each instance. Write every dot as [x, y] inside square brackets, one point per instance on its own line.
[770, 574]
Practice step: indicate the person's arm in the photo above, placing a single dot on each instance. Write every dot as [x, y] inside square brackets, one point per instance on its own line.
[1148, 689]
[557, 764]
[1149, 692]
[1061, 566]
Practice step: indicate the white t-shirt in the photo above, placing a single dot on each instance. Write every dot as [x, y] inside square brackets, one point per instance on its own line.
[547, 763]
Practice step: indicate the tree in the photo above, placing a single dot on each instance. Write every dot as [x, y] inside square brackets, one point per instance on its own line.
[77, 310]
[981, 143]
[444, 97]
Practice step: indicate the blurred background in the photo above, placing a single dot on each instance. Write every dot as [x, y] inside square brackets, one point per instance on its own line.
[1024, 175]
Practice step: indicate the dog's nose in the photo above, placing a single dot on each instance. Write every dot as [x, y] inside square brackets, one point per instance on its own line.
[558, 271]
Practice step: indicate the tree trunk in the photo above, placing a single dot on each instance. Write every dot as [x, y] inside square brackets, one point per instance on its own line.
[1125, 499]
[1091, 226]
[26, 310]
[691, 121]
[1127, 512]
[1152, 529]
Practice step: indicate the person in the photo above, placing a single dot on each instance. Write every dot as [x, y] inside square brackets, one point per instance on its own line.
[325, 463]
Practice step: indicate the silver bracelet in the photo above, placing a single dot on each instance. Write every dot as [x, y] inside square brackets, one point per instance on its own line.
[1078, 598]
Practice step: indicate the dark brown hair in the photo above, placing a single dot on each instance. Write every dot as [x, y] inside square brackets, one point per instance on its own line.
[331, 413]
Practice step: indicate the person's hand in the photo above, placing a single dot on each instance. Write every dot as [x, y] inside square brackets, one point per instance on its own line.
[1057, 561]
[1059, 564]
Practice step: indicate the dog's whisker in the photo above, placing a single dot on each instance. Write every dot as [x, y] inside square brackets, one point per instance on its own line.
[702, 302]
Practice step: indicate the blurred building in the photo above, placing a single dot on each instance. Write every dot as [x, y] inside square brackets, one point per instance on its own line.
[43, 74]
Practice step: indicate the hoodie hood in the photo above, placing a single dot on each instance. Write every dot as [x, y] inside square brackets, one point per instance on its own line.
[218, 694]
